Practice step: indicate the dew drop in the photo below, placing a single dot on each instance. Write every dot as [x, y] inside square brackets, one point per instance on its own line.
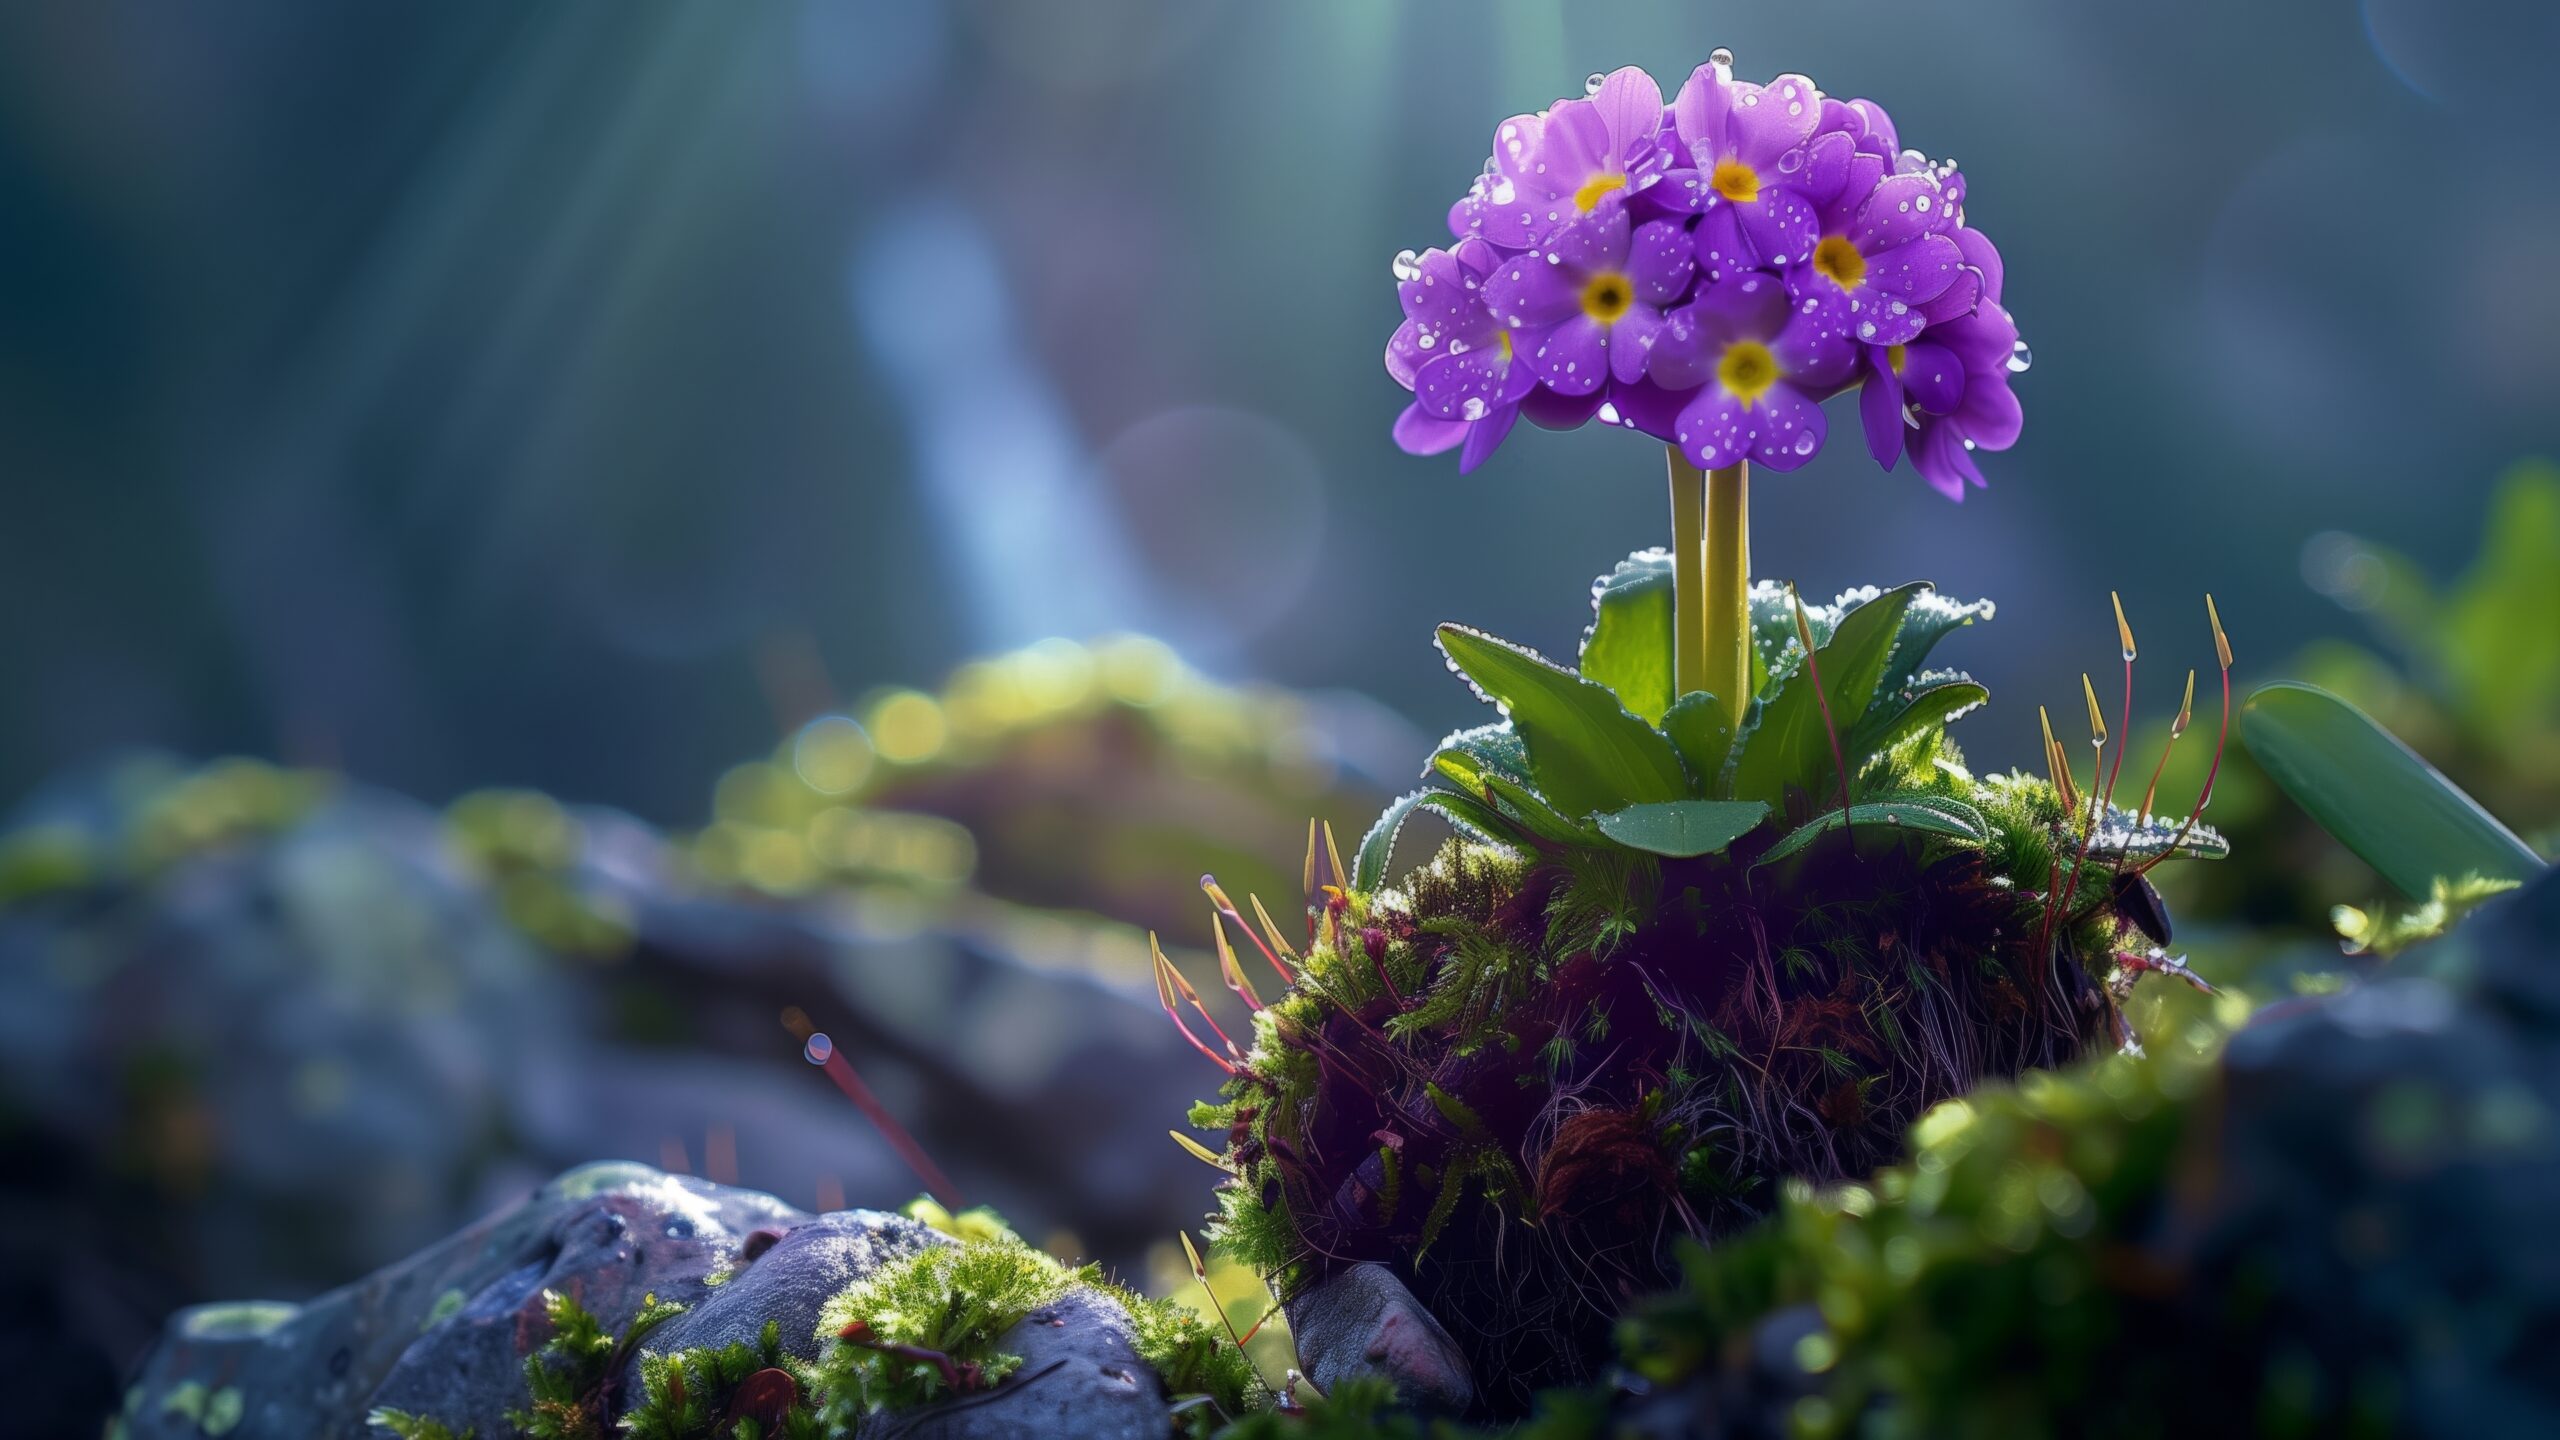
[1804, 442]
[2020, 357]
[1721, 58]
[1473, 409]
[1407, 266]
[1592, 82]
[819, 1050]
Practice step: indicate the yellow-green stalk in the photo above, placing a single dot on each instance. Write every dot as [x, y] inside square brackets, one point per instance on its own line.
[1711, 583]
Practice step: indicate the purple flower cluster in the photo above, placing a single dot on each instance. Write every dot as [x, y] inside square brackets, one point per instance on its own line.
[1710, 272]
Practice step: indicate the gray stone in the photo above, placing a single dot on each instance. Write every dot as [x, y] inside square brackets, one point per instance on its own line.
[1363, 1321]
[1080, 1378]
[445, 1333]
[789, 1280]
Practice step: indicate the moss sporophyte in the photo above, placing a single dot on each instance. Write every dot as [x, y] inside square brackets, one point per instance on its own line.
[1724, 907]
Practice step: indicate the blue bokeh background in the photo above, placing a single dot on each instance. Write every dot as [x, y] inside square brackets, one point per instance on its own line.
[486, 393]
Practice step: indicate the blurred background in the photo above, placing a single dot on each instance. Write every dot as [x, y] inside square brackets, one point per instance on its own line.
[765, 429]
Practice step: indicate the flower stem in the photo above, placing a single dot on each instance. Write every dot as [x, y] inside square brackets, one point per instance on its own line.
[1688, 564]
[1726, 631]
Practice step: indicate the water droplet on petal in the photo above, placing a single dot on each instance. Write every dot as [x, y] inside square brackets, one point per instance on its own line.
[1407, 266]
[1721, 58]
[1592, 82]
[1804, 442]
[2020, 357]
[1473, 409]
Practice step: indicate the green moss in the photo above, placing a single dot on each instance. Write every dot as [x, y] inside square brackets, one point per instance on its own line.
[1978, 1285]
[407, 1426]
[565, 1378]
[688, 1394]
[926, 1325]
[2385, 932]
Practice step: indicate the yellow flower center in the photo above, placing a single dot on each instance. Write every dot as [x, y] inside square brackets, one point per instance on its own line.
[1747, 370]
[1735, 181]
[1836, 258]
[1595, 189]
[1893, 357]
[1607, 297]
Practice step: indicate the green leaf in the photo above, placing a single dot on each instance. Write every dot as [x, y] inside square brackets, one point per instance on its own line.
[1902, 815]
[2124, 835]
[2376, 795]
[1586, 753]
[1789, 749]
[1930, 699]
[1696, 726]
[1471, 816]
[1684, 828]
[1493, 747]
[1774, 652]
[1476, 770]
[1930, 618]
[1628, 647]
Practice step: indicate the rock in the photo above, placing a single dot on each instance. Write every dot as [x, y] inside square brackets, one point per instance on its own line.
[1363, 1321]
[444, 1333]
[1080, 1378]
[311, 1034]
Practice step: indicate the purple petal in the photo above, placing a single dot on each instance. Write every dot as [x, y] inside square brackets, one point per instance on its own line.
[1883, 320]
[1463, 387]
[1701, 114]
[1597, 241]
[1661, 261]
[1780, 226]
[1648, 407]
[1917, 272]
[1486, 434]
[1516, 142]
[1574, 148]
[1939, 455]
[1443, 302]
[1819, 170]
[1748, 306]
[1878, 137]
[1684, 354]
[1959, 299]
[1551, 411]
[1675, 192]
[1629, 105]
[1515, 194]
[1418, 433]
[1990, 413]
[1770, 120]
[1404, 358]
[1477, 259]
[1932, 377]
[1983, 340]
[1715, 430]
[1902, 209]
[1467, 216]
[1530, 294]
[1880, 410]
[1719, 242]
[1631, 342]
[1791, 428]
[1951, 184]
[1866, 172]
[1815, 357]
[1979, 254]
[1572, 358]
